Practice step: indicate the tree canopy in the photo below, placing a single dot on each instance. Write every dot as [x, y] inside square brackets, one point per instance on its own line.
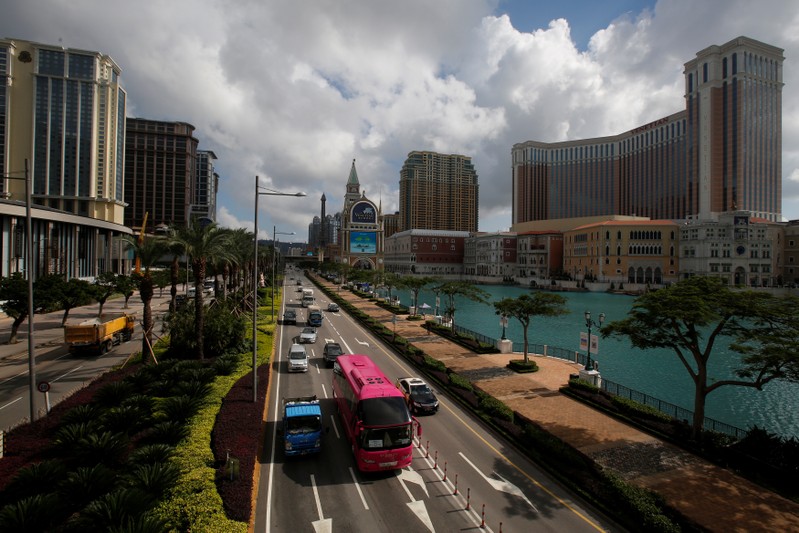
[525, 307]
[690, 316]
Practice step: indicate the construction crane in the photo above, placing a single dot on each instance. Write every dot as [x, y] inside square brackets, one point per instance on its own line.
[137, 269]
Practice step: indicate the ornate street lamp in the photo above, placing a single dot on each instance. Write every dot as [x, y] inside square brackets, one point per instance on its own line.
[589, 323]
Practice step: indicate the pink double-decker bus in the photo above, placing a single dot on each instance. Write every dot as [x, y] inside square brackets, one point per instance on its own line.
[374, 413]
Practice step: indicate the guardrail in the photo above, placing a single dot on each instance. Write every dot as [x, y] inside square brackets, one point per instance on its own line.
[612, 387]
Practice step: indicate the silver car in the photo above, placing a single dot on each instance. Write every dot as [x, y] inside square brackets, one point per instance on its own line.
[308, 335]
[298, 358]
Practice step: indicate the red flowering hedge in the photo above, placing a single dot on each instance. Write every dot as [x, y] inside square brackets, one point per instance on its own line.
[239, 431]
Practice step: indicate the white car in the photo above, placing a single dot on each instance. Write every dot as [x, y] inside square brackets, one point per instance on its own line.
[308, 335]
[298, 358]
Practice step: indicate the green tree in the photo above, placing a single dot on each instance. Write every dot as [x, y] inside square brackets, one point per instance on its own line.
[202, 243]
[161, 279]
[525, 307]
[74, 293]
[104, 286]
[148, 251]
[14, 301]
[415, 284]
[126, 286]
[451, 289]
[690, 316]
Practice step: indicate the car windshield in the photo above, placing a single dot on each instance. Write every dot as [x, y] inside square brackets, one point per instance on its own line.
[297, 355]
[334, 349]
[421, 392]
[308, 331]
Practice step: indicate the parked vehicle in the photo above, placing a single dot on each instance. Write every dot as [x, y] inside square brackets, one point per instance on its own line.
[101, 333]
[418, 395]
[290, 316]
[298, 358]
[301, 427]
[314, 316]
[308, 335]
[374, 415]
[331, 352]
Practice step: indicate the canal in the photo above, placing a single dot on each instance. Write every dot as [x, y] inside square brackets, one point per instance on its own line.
[658, 373]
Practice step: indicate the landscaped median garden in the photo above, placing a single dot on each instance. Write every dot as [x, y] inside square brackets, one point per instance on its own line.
[160, 447]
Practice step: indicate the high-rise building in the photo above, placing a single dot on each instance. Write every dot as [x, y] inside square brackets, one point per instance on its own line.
[438, 192]
[160, 172]
[204, 204]
[65, 113]
[723, 153]
[62, 126]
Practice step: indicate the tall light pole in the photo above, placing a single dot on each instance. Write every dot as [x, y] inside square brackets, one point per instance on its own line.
[589, 323]
[275, 233]
[258, 192]
[29, 273]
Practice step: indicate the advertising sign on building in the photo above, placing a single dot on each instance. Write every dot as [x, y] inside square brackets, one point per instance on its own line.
[364, 212]
[363, 242]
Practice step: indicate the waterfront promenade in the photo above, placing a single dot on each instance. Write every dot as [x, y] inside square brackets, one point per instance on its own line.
[714, 498]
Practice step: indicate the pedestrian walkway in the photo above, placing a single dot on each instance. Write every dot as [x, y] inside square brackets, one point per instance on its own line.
[712, 497]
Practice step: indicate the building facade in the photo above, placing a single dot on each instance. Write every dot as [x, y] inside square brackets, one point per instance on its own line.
[160, 172]
[738, 248]
[438, 192]
[539, 257]
[490, 257]
[615, 251]
[722, 153]
[62, 131]
[426, 253]
[206, 187]
[361, 235]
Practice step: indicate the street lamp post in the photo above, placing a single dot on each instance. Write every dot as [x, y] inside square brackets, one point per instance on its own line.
[275, 233]
[590, 323]
[29, 273]
[503, 321]
[258, 192]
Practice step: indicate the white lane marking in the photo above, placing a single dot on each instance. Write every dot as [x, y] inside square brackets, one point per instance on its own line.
[335, 427]
[66, 373]
[12, 402]
[500, 484]
[323, 525]
[316, 498]
[358, 488]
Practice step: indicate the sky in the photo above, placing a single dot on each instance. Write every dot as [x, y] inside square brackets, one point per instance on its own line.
[292, 91]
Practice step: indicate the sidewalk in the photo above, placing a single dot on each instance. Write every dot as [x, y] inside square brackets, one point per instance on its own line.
[713, 497]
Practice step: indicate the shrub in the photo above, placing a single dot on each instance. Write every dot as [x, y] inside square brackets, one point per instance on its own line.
[518, 365]
[34, 513]
[434, 364]
[460, 382]
[581, 384]
[633, 408]
[495, 408]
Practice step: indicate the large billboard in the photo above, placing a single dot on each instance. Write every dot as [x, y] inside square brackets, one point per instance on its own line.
[363, 242]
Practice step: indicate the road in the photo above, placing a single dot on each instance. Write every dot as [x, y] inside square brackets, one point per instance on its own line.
[64, 373]
[462, 476]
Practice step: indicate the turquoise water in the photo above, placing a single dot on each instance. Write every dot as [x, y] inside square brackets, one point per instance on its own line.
[658, 373]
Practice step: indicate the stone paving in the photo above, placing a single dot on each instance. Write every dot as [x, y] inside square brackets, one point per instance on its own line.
[714, 498]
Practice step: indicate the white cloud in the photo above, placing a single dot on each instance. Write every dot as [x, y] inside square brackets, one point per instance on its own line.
[293, 91]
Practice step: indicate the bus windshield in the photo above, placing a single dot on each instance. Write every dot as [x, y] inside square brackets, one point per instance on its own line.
[373, 439]
[386, 411]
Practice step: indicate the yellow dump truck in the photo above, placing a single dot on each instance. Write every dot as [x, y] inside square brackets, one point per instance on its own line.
[99, 334]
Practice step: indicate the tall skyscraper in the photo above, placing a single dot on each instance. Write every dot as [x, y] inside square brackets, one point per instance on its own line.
[64, 111]
[438, 192]
[204, 204]
[722, 153]
[62, 117]
[160, 173]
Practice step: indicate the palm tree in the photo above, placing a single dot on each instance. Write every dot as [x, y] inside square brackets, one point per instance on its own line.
[148, 251]
[202, 243]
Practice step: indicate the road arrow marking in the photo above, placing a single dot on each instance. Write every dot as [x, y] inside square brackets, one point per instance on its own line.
[412, 476]
[363, 343]
[323, 526]
[500, 484]
[418, 508]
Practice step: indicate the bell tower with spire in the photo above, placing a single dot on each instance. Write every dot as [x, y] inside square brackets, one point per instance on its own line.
[361, 234]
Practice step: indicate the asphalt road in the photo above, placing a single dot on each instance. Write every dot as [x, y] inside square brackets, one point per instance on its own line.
[462, 477]
[64, 373]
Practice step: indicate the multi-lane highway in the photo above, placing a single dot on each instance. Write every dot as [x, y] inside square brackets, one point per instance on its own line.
[461, 478]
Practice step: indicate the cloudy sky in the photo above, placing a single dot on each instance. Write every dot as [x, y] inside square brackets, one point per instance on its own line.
[294, 90]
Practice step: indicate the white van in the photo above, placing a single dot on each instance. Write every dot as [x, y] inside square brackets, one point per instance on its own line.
[298, 358]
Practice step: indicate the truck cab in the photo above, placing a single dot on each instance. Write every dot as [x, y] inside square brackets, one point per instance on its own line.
[301, 426]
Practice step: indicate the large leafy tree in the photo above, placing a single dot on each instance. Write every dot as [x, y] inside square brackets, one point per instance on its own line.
[452, 289]
[126, 286]
[104, 286]
[415, 284]
[74, 293]
[525, 307]
[14, 301]
[202, 243]
[690, 316]
[148, 250]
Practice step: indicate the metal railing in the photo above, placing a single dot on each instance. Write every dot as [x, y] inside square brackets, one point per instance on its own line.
[675, 411]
